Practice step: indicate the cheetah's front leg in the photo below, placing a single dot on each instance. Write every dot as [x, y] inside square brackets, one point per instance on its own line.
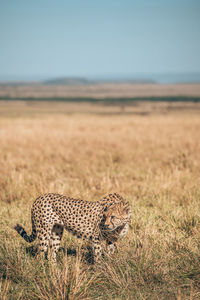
[111, 247]
[97, 251]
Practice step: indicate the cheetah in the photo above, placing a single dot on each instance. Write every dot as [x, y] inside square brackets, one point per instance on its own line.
[105, 220]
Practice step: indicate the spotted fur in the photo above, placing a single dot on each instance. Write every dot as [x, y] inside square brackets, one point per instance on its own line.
[92, 221]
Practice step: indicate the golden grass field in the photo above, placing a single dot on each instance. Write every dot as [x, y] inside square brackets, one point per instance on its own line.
[152, 160]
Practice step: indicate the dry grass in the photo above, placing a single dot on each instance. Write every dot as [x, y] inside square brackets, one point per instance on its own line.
[153, 161]
[16, 108]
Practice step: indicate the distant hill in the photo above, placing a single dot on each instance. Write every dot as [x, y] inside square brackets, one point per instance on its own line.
[162, 78]
[67, 81]
[84, 81]
[75, 81]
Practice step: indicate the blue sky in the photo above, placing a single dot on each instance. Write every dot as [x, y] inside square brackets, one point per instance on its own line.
[48, 38]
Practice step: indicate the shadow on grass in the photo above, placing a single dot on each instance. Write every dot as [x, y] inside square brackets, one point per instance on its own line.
[87, 256]
[32, 251]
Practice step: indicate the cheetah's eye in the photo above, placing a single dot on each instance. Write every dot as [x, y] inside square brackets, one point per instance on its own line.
[112, 217]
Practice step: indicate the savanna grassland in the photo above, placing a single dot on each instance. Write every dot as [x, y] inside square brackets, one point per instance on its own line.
[151, 159]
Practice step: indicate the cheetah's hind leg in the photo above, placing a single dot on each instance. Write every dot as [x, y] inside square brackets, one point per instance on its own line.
[44, 235]
[55, 239]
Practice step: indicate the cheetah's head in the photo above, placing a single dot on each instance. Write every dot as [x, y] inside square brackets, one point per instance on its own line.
[117, 215]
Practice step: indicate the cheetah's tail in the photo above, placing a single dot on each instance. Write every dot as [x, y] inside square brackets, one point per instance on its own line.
[22, 232]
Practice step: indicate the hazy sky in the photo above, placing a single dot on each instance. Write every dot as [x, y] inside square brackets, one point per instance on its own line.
[45, 38]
